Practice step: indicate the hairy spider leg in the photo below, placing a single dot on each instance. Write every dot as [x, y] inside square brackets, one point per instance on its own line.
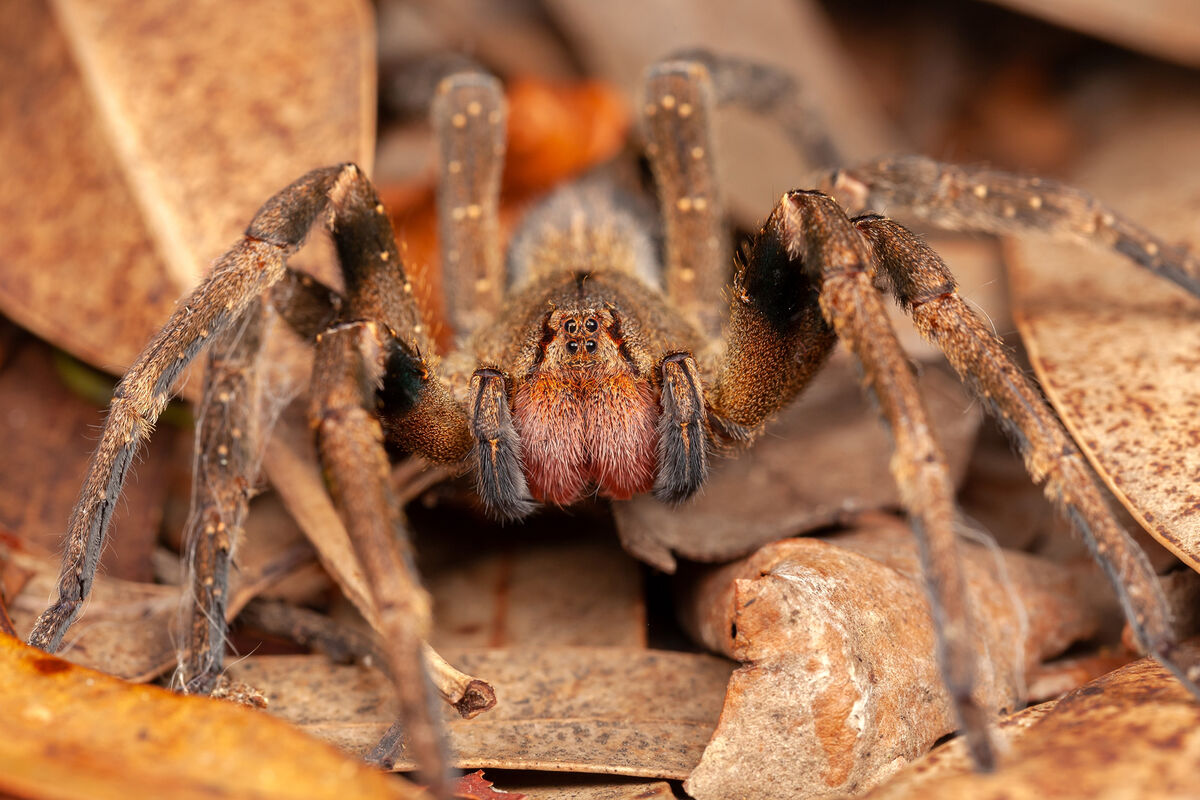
[926, 289]
[678, 104]
[225, 471]
[974, 198]
[469, 115]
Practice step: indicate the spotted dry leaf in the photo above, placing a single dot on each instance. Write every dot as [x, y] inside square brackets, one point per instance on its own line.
[127, 740]
[1116, 348]
[1131, 733]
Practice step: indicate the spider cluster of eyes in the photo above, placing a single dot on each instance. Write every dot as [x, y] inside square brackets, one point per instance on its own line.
[572, 326]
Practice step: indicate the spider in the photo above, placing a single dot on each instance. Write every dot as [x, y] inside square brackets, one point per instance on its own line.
[588, 362]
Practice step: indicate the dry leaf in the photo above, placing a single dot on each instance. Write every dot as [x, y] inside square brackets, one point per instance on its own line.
[48, 433]
[609, 710]
[1163, 28]
[473, 786]
[148, 136]
[1115, 347]
[821, 461]
[531, 590]
[130, 629]
[839, 684]
[1132, 733]
[559, 787]
[126, 740]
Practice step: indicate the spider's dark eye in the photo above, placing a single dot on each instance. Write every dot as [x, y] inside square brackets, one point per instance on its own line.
[570, 326]
[572, 347]
[591, 325]
[591, 345]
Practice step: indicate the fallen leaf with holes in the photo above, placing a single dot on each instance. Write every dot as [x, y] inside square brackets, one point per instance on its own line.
[126, 740]
[130, 629]
[1115, 347]
[823, 460]
[616, 711]
[839, 684]
[148, 138]
[1132, 733]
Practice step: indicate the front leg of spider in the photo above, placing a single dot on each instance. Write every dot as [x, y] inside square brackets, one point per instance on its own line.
[372, 352]
[926, 289]
[807, 278]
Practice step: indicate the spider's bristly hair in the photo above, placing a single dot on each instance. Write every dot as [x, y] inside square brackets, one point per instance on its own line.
[499, 472]
[682, 431]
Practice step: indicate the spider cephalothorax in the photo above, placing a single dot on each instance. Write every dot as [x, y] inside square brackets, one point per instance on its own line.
[589, 360]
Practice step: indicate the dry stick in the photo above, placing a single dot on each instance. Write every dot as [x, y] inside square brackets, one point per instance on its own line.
[470, 696]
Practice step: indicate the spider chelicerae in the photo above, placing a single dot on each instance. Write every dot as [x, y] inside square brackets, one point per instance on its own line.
[588, 361]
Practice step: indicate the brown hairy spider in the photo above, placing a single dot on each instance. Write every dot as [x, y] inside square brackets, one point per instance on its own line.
[585, 363]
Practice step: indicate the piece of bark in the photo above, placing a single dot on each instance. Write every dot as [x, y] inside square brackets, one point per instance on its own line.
[823, 460]
[840, 685]
[615, 711]
[1115, 347]
[128, 629]
[73, 732]
[1132, 733]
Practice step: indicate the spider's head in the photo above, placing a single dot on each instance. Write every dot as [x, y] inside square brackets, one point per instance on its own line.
[584, 416]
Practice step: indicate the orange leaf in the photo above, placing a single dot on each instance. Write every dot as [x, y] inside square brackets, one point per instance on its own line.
[72, 732]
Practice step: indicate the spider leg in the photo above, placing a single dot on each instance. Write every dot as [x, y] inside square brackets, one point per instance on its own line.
[236, 281]
[351, 359]
[499, 474]
[678, 104]
[222, 483]
[682, 430]
[817, 235]
[777, 340]
[926, 288]
[468, 115]
[774, 94]
[305, 304]
[980, 199]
